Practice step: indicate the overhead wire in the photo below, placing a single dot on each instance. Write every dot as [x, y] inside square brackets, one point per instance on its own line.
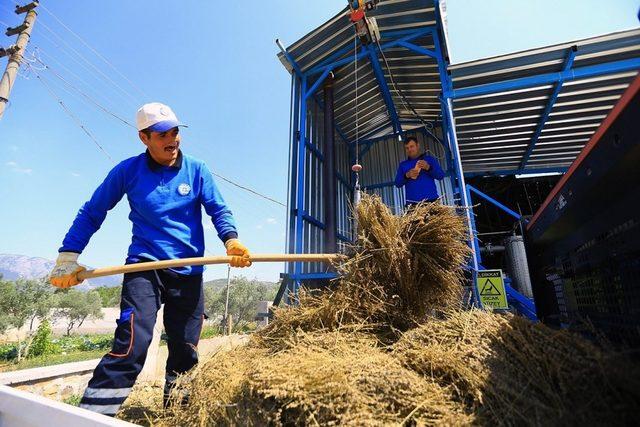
[98, 54]
[39, 52]
[70, 114]
[98, 104]
[84, 95]
[248, 189]
[132, 99]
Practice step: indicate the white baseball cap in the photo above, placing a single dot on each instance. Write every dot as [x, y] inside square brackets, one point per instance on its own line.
[156, 117]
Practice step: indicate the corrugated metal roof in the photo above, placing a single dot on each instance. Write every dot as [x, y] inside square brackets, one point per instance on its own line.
[416, 75]
[494, 130]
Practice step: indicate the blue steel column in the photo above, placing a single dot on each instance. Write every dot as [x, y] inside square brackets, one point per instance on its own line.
[474, 230]
[448, 118]
[294, 149]
[302, 138]
[293, 156]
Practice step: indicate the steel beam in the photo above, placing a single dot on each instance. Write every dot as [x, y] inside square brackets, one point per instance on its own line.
[334, 65]
[544, 79]
[533, 171]
[547, 109]
[384, 88]
[418, 49]
[494, 202]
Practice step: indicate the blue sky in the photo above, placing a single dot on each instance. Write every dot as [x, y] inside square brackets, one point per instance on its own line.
[215, 64]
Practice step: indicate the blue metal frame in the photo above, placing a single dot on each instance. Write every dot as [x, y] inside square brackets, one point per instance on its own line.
[384, 88]
[547, 109]
[530, 171]
[304, 90]
[412, 35]
[543, 79]
[494, 201]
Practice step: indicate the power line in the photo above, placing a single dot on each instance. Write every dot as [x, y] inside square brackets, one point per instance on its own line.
[73, 116]
[96, 103]
[93, 101]
[38, 51]
[96, 52]
[249, 190]
[124, 91]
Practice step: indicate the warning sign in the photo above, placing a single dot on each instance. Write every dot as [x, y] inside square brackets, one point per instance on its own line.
[491, 289]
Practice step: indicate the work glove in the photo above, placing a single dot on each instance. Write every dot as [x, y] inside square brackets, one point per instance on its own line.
[65, 273]
[238, 252]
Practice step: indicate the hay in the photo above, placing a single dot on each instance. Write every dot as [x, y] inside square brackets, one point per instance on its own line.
[508, 370]
[390, 345]
[326, 378]
[402, 268]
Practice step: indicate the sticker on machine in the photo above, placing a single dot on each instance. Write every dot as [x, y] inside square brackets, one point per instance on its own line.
[184, 189]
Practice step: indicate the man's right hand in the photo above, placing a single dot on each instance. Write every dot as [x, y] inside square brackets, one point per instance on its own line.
[65, 273]
[413, 173]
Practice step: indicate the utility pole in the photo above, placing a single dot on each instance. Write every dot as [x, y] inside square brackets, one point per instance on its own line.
[16, 51]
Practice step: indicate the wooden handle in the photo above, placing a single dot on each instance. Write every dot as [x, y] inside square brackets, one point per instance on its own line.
[172, 263]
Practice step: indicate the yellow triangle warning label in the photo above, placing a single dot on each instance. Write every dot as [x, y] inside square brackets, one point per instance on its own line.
[489, 289]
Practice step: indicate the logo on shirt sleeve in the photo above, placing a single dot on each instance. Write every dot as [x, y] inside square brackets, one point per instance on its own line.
[184, 189]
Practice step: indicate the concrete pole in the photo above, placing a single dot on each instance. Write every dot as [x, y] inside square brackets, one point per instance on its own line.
[11, 72]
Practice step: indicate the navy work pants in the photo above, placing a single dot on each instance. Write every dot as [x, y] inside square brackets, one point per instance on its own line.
[142, 295]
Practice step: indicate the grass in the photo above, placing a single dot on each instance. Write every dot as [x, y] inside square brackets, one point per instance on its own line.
[52, 359]
[73, 400]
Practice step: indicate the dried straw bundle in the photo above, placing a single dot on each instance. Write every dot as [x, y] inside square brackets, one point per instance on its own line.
[339, 357]
[402, 268]
[508, 370]
[327, 378]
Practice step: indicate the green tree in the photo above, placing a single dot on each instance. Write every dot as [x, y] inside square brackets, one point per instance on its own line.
[21, 301]
[74, 307]
[244, 296]
[42, 340]
[110, 296]
[38, 297]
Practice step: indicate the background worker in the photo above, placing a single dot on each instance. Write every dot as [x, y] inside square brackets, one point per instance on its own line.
[418, 174]
[166, 190]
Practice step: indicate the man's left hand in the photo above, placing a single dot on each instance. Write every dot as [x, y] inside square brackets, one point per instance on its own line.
[238, 252]
[423, 164]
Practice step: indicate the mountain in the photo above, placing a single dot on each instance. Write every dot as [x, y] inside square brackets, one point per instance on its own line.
[14, 266]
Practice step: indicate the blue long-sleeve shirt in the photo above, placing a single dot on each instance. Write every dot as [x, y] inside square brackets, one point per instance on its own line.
[424, 186]
[165, 206]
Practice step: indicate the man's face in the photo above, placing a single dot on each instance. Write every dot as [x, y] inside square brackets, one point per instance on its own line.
[163, 146]
[411, 148]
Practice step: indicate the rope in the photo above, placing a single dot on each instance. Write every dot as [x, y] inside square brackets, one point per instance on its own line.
[355, 61]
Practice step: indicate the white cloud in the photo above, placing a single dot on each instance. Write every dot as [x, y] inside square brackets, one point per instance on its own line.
[259, 226]
[13, 148]
[18, 169]
[271, 221]
[75, 174]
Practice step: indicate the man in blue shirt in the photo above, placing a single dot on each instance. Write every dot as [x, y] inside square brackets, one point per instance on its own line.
[418, 174]
[166, 191]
